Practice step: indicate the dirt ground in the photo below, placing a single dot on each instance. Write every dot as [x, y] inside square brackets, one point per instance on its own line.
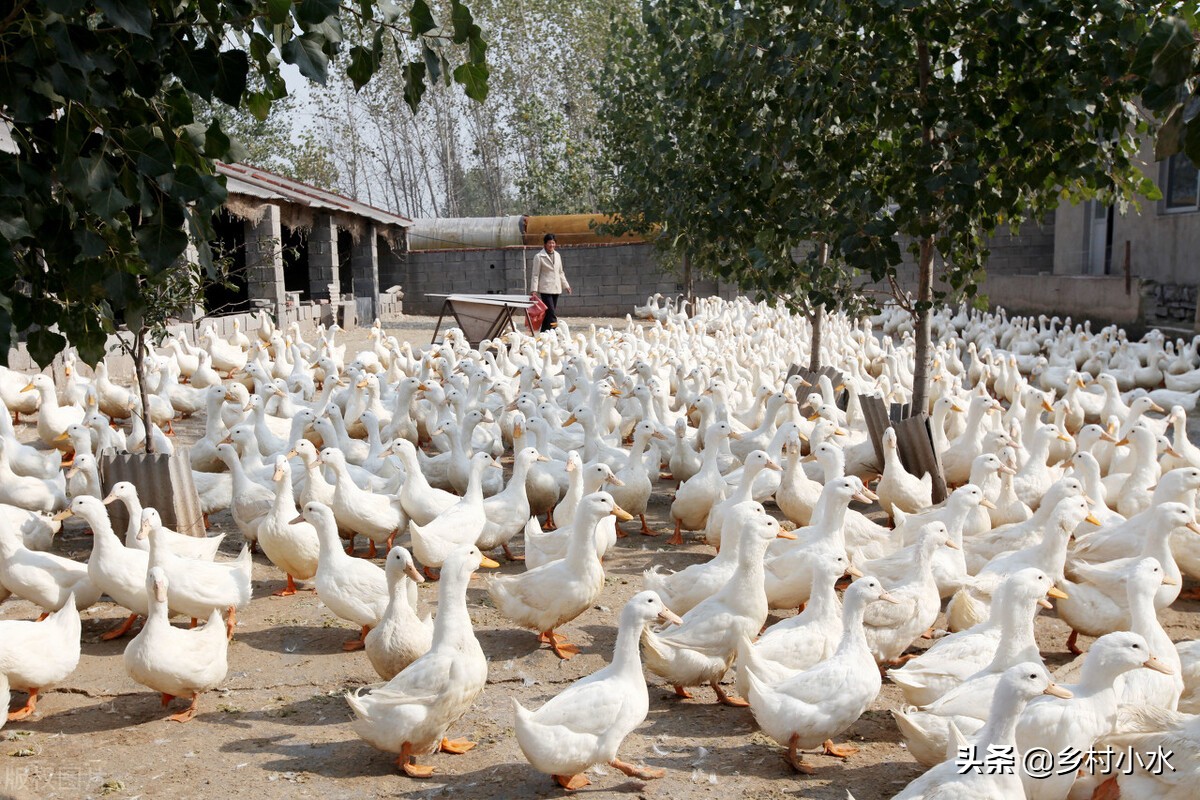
[279, 726]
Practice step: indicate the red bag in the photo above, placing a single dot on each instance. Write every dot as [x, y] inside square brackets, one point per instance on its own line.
[535, 314]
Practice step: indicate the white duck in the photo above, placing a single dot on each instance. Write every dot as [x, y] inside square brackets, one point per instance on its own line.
[1087, 715]
[696, 496]
[553, 594]
[175, 661]
[955, 658]
[1145, 729]
[506, 512]
[419, 500]
[202, 548]
[44, 579]
[891, 627]
[293, 547]
[52, 419]
[801, 712]
[379, 517]
[683, 590]
[31, 494]
[585, 724]
[798, 642]
[401, 637]
[633, 491]
[898, 488]
[411, 713]
[36, 655]
[353, 589]
[1098, 600]
[701, 650]
[116, 570]
[948, 781]
[460, 524]
[199, 587]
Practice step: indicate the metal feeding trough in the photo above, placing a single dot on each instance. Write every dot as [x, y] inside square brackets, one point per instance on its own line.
[164, 483]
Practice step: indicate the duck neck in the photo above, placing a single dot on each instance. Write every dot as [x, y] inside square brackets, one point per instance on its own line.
[1143, 618]
[745, 488]
[474, 493]
[822, 599]
[1001, 727]
[134, 507]
[627, 659]
[637, 450]
[453, 621]
[834, 465]
[581, 548]
[1017, 642]
[285, 503]
[830, 518]
[1157, 545]
[747, 581]
[516, 484]
[1039, 452]
[1052, 551]
[854, 638]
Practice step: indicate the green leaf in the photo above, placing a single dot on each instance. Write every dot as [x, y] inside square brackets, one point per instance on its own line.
[433, 62]
[463, 22]
[363, 64]
[216, 141]
[232, 69]
[314, 12]
[155, 158]
[14, 228]
[421, 18]
[278, 11]
[473, 78]
[107, 203]
[1173, 61]
[131, 15]
[1170, 136]
[305, 52]
[259, 104]
[1191, 140]
[44, 344]
[160, 242]
[414, 84]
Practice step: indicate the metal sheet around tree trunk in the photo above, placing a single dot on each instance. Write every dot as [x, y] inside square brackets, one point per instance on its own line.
[164, 483]
[917, 454]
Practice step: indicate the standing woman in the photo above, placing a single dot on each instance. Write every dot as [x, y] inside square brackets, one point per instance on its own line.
[548, 279]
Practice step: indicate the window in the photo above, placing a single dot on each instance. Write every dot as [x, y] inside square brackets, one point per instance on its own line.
[1182, 184]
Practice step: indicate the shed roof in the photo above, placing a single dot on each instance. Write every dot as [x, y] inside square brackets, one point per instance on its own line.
[242, 179]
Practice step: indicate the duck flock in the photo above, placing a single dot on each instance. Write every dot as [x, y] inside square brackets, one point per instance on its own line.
[1071, 478]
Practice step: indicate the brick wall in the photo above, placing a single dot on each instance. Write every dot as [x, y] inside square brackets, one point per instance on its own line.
[1029, 252]
[608, 280]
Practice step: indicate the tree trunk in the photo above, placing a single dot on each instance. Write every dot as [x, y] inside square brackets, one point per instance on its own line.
[817, 317]
[689, 285]
[924, 306]
[924, 309]
[139, 369]
[817, 320]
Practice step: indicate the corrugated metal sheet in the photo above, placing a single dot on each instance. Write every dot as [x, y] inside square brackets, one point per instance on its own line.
[264, 185]
[163, 482]
[913, 439]
[917, 454]
[571, 229]
[452, 234]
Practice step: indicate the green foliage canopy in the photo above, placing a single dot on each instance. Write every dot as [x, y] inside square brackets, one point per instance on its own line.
[110, 174]
[875, 127]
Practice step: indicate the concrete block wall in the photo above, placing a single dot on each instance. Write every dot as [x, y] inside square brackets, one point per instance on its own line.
[607, 280]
